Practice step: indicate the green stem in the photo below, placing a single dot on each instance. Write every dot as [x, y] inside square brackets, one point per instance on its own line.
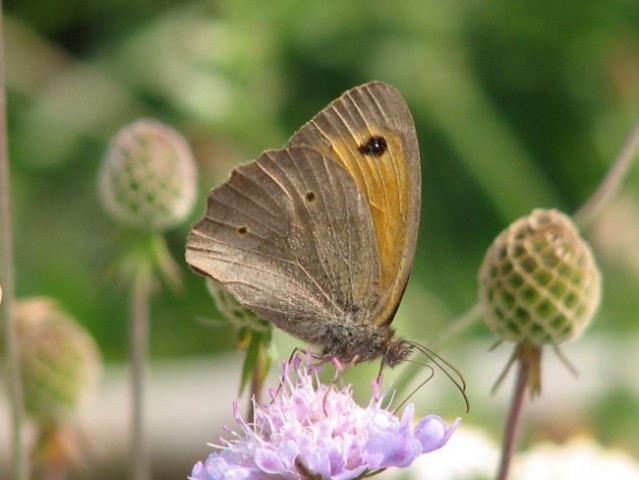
[610, 184]
[7, 276]
[257, 380]
[457, 326]
[140, 316]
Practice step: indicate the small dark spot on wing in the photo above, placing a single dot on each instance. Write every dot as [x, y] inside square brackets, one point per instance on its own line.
[375, 146]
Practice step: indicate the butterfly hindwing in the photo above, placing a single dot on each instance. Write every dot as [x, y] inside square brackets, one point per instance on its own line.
[291, 236]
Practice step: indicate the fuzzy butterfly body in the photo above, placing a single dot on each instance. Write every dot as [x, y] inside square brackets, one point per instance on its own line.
[319, 237]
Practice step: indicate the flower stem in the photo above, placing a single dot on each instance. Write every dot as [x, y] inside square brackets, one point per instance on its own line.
[7, 276]
[610, 184]
[514, 416]
[457, 326]
[139, 349]
[260, 369]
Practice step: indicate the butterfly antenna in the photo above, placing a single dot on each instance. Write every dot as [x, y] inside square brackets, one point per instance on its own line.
[447, 368]
[414, 391]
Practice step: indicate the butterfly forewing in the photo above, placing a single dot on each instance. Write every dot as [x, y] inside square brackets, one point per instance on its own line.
[291, 236]
[370, 131]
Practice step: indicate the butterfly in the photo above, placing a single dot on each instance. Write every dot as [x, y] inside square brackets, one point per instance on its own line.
[319, 237]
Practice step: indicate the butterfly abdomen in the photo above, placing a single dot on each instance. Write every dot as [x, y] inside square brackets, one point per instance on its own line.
[354, 343]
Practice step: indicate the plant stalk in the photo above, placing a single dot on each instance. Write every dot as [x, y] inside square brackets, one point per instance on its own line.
[514, 416]
[7, 277]
[611, 183]
[139, 338]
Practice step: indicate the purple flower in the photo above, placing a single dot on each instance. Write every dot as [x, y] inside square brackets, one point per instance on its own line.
[314, 430]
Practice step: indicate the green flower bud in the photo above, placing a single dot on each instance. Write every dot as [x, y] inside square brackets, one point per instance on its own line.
[538, 283]
[238, 316]
[59, 361]
[148, 176]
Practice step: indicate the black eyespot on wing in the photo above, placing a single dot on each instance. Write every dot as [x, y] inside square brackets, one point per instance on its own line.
[242, 230]
[310, 197]
[375, 146]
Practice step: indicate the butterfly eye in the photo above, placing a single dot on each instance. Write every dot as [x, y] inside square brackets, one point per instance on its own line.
[375, 146]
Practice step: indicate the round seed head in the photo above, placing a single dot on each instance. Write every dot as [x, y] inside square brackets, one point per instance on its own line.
[60, 363]
[539, 282]
[148, 177]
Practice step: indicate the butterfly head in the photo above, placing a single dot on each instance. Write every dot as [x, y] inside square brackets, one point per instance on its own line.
[397, 351]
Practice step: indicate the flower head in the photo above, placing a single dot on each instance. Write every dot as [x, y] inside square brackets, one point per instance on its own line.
[314, 430]
[539, 282]
[60, 363]
[60, 367]
[148, 176]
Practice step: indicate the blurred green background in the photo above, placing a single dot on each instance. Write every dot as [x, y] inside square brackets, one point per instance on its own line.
[517, 105]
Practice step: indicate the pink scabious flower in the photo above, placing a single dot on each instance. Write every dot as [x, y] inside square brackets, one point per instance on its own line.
[311, 430]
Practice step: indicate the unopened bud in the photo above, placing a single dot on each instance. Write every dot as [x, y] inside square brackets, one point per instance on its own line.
[538, 282]
[148, 176]
[59, 361]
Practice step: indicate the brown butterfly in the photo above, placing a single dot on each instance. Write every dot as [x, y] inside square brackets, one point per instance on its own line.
[319, 237]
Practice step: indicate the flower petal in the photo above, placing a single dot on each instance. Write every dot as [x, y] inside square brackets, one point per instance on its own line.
[433, 433]
[268, 461]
